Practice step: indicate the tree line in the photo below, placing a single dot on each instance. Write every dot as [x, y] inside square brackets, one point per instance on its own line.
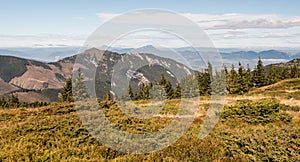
[243, 79]
[13, 102]
[163, 89]
[238, 80]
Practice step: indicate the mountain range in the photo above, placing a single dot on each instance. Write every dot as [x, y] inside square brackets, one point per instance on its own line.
[34, 80]
[51, 54]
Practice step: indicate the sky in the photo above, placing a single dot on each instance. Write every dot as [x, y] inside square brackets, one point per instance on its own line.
[228, 23]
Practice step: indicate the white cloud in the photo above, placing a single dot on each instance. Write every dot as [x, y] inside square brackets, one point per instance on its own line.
[232, 20]
[225, 30]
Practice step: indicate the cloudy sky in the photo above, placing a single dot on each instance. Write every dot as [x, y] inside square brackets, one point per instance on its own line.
[229, 24]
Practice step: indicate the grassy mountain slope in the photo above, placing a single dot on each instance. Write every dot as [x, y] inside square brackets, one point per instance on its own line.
[287, 91]
[55, 133]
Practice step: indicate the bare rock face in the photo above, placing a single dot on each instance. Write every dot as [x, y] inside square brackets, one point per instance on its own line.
[95, 53]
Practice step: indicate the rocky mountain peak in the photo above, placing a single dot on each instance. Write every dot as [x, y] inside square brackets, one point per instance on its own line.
[96, 54]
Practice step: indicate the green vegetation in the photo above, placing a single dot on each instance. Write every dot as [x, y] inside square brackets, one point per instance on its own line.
[14, 102]
[144, 90]
[66, 94]
[246, 79]
[283, 90]
[289, 108]
[239, 81]
[78, 91]
[254, 112]
[54, 133]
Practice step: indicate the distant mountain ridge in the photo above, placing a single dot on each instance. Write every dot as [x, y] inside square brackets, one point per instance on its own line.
[269, 54]
[40, 78]
[52, 54]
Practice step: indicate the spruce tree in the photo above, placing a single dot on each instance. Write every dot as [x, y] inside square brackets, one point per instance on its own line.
[177, 92]
[259, 74]
[163, 80]
[14, 99]
[143, 91]
[227, 76]
[233, 81]
[271, 76]
[169, 90]
[241, 80]
[79, 89]
[66, 94]
[248, 77]
[204, 82]
[219, 83]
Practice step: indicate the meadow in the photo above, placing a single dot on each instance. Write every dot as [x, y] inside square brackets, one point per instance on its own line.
[251, 128]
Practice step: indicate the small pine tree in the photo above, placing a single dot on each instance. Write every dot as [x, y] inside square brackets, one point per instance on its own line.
[14, 99]
[204, 82]
[79, 89]
[248, 77]
[227, 75]
[144, 92]
[233, 81]
[163, 80]
[66, 94]
[177, 92]
[271, 76]
[219, 85]
[259, 75]
[169, 90]
[241, 80]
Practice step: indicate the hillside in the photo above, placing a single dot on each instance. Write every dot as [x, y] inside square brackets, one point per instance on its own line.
[287, 91]
[55, 132]
[6, 88]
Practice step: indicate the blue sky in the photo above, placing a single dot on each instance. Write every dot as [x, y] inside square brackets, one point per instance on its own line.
[255, 23]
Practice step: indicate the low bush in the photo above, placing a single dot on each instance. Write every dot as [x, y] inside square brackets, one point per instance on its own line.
[289, 108]
[261, 111]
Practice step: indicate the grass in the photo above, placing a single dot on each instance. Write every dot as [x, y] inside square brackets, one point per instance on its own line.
[286, 89]
[55, 133]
